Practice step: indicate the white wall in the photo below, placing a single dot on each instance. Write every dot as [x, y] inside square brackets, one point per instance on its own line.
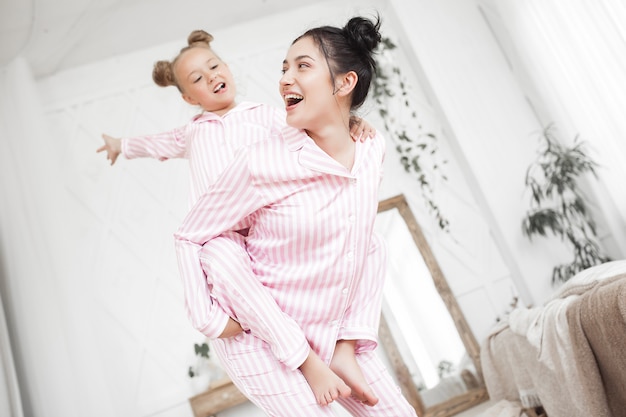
[89, 279]
[570, 60]
[489, 123]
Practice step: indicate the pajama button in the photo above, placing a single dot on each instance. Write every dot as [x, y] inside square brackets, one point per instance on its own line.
[344, 291]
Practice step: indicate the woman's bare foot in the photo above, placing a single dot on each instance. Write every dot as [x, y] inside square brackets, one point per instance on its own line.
[344, 364]
[324, 383]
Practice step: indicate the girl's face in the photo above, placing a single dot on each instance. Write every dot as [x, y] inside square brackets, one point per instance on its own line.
[306, 88]
[205, 80]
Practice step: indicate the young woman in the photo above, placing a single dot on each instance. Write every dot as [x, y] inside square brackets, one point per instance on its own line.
[209, 141]
[309, 196]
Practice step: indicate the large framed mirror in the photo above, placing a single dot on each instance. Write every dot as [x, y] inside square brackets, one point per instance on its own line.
[423, 332]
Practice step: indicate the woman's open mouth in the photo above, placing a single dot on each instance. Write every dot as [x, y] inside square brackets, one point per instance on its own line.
[292, 99]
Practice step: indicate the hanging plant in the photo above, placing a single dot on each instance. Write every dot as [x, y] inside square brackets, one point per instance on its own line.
[417, 146]
[558, 206]
[202, 357]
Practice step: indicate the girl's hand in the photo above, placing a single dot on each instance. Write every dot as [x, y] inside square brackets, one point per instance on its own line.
[360, 129]
[113, 147]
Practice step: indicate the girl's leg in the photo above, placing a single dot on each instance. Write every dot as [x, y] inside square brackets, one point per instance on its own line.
[238, 291]
[391, 401]
[269, 384]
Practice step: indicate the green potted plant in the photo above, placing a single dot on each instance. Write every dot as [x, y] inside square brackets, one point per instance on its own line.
[558, 205]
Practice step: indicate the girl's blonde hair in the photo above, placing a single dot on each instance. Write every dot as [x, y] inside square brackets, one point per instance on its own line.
[163, 71]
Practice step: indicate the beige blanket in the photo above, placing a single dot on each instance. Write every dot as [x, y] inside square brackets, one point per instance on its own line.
[550, 358]
[599, 334]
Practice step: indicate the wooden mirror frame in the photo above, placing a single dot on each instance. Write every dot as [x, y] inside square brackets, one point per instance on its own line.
[455, 404]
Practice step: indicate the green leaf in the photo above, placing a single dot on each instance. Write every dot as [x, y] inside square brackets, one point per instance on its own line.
[202, 350]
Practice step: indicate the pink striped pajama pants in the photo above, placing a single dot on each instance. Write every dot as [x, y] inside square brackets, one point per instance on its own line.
[282, 392]
[263, 362]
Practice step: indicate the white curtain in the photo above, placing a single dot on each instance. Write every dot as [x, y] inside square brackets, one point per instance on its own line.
[31, 229]
[10, 402]
[574, 54]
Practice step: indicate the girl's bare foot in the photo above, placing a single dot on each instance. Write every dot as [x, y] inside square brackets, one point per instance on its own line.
[324, 383]
[344, 364]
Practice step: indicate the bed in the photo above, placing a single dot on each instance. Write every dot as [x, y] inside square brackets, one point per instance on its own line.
[568, 356]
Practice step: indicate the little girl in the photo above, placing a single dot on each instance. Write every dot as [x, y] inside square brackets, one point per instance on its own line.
[210, 141]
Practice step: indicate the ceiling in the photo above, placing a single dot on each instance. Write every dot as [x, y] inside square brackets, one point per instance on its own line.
[57, 34]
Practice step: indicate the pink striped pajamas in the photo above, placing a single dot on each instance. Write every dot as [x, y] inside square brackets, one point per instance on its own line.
[210, 142]
[310, 245]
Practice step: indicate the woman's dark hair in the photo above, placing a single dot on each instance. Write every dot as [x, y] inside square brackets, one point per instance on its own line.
[350, 48]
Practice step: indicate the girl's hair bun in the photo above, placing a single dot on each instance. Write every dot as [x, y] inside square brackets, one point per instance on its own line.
[199, 37]
[163, 74]
[163, 71]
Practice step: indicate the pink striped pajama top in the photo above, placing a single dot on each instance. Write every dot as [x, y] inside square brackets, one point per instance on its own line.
[311, 226]
[209, 142]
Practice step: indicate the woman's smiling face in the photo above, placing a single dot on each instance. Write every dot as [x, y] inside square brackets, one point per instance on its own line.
[306, 85]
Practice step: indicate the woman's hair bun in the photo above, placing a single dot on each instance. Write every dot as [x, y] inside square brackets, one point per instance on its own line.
[363, 34]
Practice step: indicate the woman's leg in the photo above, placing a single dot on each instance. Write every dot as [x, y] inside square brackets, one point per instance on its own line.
[269, 384]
